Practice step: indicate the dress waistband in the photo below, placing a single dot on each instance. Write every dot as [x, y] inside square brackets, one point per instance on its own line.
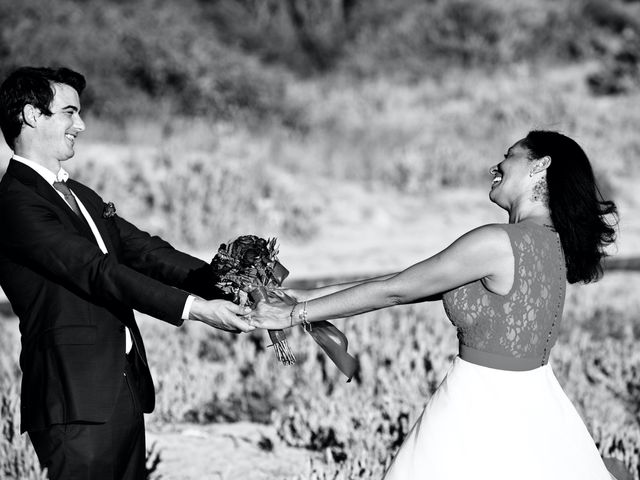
[501, 362]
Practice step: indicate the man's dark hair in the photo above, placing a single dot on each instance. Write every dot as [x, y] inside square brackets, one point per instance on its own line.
[31, 86]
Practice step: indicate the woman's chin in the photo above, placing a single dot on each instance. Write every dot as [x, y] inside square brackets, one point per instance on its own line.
[496, 199]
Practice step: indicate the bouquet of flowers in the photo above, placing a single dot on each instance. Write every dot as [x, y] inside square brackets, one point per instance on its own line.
[246, 268]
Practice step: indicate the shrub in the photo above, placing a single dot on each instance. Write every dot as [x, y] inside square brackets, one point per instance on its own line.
[619, 72]
[200, 199]
[17, 457]
[142, 59]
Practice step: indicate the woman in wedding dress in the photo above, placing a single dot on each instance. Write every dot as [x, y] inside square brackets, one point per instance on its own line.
[500, 412]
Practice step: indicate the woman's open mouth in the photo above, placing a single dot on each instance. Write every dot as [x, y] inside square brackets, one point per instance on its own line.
[497, 179]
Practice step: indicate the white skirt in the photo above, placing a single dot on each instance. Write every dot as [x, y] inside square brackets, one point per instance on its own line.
[484, 423]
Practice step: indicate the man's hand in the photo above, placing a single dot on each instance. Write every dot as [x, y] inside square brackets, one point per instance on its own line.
[221, 314]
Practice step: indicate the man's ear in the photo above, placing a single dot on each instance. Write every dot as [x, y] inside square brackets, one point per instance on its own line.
[30, 115]
[541, 164]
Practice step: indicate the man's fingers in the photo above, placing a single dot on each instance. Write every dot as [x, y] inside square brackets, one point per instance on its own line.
[237, 309]
[241, 324]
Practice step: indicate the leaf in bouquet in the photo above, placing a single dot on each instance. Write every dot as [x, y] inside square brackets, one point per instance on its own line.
[251, 271]
[271, 246]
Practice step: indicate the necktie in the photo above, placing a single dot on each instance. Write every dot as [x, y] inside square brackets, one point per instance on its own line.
[68, 196]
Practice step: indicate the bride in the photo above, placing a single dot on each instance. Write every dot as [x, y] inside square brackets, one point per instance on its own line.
[500, 412]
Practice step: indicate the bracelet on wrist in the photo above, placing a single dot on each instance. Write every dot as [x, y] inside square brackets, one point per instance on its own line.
[291, 314]
[302, 316]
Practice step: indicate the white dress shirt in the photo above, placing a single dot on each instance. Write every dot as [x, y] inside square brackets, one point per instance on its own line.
[63, 176]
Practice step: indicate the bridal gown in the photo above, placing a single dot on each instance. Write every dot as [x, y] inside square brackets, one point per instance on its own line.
[500, 413]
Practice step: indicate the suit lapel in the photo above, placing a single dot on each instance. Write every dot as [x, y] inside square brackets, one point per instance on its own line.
[95, 211]
[31, 178]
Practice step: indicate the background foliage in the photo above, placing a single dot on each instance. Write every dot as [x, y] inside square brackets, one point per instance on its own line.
[211, 118]
[407, 94]
[232, 59]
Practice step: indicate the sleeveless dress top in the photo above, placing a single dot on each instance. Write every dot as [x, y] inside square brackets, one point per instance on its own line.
[500, 413]
[514, 331]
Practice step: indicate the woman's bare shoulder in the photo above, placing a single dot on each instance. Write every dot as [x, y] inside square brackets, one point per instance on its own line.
[489, 237]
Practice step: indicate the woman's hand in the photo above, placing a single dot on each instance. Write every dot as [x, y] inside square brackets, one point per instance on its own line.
[271, 316]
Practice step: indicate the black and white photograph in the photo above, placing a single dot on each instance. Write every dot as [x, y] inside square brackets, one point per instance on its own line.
[320, 240]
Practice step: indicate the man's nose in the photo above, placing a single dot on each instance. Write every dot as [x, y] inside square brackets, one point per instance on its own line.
[78, 124]
[493, 170]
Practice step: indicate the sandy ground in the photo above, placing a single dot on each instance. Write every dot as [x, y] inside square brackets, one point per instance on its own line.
[226, 452]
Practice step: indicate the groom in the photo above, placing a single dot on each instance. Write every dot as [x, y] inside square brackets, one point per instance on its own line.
[73, 271]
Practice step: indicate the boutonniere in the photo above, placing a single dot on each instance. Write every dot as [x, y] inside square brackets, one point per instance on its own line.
[109, 210]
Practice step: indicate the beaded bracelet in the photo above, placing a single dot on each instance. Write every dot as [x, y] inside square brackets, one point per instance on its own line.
[302, 315]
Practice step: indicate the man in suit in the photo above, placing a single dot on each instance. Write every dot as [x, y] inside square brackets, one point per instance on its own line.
[73, 271]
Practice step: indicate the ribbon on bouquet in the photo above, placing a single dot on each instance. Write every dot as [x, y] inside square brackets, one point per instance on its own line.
[333, 342]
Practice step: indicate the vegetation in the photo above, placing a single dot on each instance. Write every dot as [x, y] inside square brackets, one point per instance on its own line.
[252, 96]
[358, 426]
[213, 118]
[233, 59]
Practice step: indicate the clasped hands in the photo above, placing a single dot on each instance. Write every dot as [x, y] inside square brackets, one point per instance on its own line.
[227, 316]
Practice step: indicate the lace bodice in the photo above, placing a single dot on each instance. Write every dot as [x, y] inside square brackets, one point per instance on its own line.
[523, 323]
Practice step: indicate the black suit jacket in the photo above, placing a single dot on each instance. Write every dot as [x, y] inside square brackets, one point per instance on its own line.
[73, 301]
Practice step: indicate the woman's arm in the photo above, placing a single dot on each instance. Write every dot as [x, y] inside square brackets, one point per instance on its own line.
[302, 295]
[483, 253]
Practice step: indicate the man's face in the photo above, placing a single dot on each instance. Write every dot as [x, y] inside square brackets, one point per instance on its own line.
[57, 133]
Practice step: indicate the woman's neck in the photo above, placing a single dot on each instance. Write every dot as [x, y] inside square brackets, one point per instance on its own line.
[537, 213]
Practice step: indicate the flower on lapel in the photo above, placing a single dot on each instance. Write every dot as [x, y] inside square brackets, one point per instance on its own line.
[109, 210]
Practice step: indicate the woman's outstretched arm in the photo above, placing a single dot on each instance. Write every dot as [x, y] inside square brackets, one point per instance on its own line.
[484, 253]
[302, 295]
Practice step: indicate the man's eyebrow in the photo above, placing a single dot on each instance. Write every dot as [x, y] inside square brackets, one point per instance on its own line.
[71, 107]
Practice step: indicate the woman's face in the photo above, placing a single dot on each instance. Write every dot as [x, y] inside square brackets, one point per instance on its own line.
[511, 181]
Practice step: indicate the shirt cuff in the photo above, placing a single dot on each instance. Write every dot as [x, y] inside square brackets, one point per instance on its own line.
[187, 307]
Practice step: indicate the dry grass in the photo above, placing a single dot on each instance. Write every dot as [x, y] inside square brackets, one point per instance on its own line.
[199, 184]
[206, 376]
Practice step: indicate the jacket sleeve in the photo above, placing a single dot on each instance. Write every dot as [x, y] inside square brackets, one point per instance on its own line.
[156, 258]
[34, 235]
